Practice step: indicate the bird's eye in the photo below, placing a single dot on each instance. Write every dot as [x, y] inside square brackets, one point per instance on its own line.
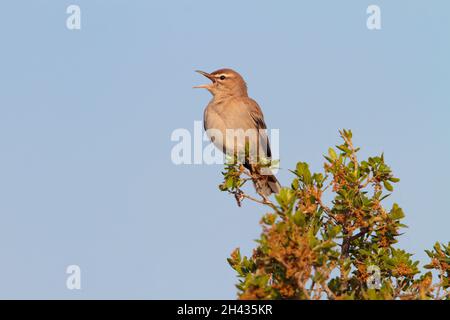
[222, 77]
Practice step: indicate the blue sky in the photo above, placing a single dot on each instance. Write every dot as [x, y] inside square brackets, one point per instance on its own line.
[86, 117]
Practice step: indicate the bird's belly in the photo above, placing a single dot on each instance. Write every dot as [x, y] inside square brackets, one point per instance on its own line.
[227, 137]
[216, 130]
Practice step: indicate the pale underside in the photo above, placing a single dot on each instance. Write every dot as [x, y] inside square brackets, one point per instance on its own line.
[230, 134]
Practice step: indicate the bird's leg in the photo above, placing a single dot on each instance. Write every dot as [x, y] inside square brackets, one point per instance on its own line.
[265, 199]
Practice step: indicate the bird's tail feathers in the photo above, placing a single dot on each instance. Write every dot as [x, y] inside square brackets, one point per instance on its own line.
[265, 185]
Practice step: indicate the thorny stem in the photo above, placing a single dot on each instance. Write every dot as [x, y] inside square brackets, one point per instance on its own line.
[345, 248]
[347, 237]
[399, 288]
[352, 149]
[326, 210]
[360, 234]
[439, 285]
[240, 194]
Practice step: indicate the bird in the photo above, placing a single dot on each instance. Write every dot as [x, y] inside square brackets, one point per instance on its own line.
[231, 109]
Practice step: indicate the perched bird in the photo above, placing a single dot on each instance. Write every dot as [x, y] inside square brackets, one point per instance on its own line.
[231, 109]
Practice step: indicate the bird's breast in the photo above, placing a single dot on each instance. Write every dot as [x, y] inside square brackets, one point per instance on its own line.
[227, 114]
[221, 118]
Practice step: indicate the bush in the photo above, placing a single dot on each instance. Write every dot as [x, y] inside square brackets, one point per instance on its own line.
[309, 249]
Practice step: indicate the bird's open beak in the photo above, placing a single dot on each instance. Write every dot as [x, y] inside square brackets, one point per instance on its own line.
[209, 76]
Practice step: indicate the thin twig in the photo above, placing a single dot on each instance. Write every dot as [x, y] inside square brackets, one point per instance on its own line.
[239, 194]
[352, 149]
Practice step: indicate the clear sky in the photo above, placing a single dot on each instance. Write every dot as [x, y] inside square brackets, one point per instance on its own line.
[86, 117]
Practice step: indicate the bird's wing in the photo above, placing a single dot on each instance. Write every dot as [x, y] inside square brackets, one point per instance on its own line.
[258, 119]
[205, 116]
[256, 113]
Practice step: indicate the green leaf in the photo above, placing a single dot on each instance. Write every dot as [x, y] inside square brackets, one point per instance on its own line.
[302, 171]
[332, 154]
[396, 212]
[300, 219]
[388, 186]
[286, 198]
[295, 184]
[343, 148]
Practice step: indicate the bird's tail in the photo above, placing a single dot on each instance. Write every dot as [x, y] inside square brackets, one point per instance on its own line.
[265, 185]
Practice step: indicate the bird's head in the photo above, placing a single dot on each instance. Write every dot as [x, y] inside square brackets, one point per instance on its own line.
[224, 82]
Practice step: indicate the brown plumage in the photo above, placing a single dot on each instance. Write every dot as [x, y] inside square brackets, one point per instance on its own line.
[232, 108]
